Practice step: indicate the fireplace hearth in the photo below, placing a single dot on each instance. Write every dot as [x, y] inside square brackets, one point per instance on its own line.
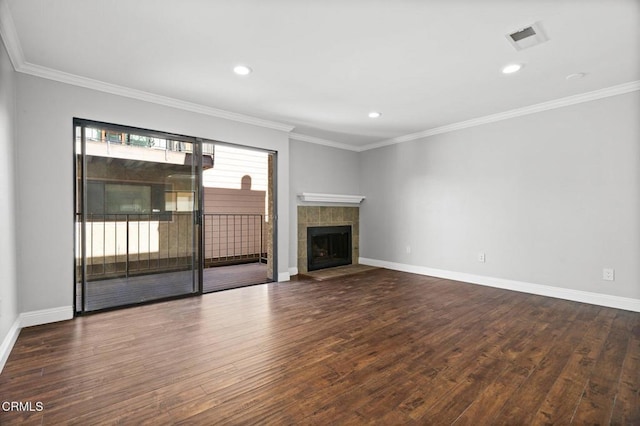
[328, 246]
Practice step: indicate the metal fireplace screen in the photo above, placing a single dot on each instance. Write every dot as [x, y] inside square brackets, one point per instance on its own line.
[328, 246]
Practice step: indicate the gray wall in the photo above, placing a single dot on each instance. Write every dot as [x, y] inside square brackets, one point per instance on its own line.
[45, 174]
[8, 281]
[320, 169]
[551, 198]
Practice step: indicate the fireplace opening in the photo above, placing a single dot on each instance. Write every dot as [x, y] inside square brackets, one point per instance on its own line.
[328, 246]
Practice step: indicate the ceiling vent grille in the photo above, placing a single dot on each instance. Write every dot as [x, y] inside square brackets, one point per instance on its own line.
[527, 37]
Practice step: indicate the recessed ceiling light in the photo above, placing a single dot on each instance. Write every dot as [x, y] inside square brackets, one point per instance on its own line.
[576, 76]
[374, 114]
[242, 70]
[511, 68]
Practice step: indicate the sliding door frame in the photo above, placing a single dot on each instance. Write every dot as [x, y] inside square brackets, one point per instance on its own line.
[273, 190]
[81, 203]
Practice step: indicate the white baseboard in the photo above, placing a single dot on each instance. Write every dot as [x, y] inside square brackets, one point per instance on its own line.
[28, 319]
[600, 299]
[283, 276]
[293, 271]
[8, 342]
[45, 316]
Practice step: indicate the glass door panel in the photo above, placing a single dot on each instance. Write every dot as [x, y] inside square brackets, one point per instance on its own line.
[137, 216]
[237, 223]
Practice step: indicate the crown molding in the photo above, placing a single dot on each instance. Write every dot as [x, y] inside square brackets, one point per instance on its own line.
[326, 142]
[14, 49]
[16, 55]
[532, 109]
[101, 86]
[10, 36]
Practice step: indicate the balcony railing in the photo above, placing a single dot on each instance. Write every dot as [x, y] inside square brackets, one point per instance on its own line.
[121, 245]
[233, 238]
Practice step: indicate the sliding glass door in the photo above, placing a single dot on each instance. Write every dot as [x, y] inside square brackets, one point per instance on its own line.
[237, 220]
[137, 215]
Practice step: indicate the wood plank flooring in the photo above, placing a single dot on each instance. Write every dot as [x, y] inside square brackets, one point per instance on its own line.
[378, 347]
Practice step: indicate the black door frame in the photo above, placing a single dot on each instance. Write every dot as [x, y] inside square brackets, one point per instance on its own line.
[197, 143]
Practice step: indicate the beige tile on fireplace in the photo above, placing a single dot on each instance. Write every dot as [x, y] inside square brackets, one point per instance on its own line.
[327, 216]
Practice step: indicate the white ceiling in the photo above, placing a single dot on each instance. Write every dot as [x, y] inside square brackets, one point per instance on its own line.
[321, 66]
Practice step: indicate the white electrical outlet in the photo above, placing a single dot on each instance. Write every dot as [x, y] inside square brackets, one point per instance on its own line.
[481, 257]
[408, 249]
[0, 307]
[608, 274]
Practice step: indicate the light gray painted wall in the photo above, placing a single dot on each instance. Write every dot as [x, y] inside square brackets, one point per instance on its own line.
[45, 174]
[320, 169]
[551, 198]
[8, 281]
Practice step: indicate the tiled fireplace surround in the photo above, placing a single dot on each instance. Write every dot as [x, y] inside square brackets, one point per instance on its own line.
[326, 216]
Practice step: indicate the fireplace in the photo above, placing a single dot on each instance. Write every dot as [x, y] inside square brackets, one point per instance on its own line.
[331, 217]
[328, 246]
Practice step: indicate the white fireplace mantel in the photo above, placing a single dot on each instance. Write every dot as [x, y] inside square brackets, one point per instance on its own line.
[330, 198]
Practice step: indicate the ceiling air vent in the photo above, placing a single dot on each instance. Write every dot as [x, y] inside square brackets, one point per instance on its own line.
[527, 37]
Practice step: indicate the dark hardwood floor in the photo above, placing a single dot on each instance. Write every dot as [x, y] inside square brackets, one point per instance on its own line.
[379, 347]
